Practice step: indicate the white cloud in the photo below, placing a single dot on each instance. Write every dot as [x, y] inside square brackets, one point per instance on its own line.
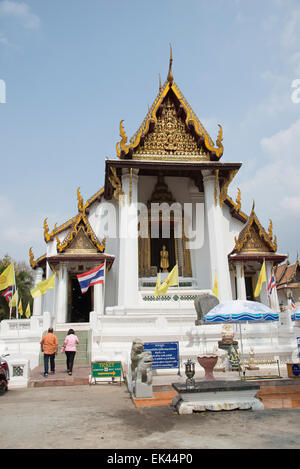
[20, 11]
[292, 204]
[275, 184]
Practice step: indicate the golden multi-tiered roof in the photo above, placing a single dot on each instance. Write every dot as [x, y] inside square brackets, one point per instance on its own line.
[172, 129]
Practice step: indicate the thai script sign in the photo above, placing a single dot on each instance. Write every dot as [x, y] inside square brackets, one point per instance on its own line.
[164, 354]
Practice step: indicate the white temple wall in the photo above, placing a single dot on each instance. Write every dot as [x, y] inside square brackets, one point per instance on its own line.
[232, 228]
[104, 221]
[200, 258]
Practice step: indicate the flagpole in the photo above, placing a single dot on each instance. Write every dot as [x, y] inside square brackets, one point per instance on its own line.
[54, 299]
[103, 289]
[17, 309]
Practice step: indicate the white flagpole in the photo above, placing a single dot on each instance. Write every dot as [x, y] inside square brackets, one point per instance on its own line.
[17, 308]
[103, 289]
[54, 299]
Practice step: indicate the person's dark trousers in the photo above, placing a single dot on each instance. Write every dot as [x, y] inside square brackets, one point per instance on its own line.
[46, 362]
[70, 360]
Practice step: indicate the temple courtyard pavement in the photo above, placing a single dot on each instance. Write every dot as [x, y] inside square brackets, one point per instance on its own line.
[67, 413]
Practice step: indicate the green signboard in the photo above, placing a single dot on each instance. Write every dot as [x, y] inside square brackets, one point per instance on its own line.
[106, 369]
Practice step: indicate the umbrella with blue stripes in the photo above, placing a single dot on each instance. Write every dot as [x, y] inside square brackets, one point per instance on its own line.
[240, 311]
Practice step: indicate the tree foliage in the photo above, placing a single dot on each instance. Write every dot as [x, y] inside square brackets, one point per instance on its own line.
[24, 283]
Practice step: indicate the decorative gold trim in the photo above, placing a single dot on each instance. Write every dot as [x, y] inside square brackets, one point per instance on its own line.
[32, 261]
[46, 231]
[224, 188]
[235, 206]
[31, 258]
[238, 200]
[81, 220]
[165, 157]
[191, 118]
[122, 145]
[170, 76]
[270, 230]
[80, 201]
[116, 183]
[216, 186]
[246, 234]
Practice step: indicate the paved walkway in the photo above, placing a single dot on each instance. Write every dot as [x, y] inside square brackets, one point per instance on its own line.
[79, 376]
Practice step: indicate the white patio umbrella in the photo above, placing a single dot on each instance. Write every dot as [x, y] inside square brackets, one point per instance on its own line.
[240, 311]
[296, 314]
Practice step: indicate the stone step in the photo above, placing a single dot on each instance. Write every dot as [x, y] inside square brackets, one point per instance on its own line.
[82, 352]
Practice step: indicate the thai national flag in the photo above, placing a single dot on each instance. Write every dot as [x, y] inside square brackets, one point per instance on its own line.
[92, 277]
[293, 305]
[8, 294]
[272, 284]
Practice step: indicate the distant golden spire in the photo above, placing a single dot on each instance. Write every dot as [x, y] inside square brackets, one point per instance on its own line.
[159, 82]
[170, 77]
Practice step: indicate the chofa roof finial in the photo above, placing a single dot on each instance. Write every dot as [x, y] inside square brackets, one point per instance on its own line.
[170, 77]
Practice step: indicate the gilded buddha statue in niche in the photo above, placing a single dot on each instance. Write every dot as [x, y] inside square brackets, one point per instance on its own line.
[164, 259]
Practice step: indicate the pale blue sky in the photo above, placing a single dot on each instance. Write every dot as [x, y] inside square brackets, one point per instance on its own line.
[74, 68]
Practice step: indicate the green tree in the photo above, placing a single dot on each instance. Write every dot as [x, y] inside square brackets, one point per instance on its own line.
[24, 283]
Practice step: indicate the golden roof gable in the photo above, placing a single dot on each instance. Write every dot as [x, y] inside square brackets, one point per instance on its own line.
[254, 238]
[193, 125]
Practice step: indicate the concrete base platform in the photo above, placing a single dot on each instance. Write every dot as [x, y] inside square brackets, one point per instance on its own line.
[215, 396]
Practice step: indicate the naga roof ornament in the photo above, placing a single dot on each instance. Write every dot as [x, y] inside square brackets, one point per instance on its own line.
[192, 123]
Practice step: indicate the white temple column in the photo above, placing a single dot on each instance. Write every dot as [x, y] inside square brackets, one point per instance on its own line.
[128, 236]
[37, 302]
[274, 303]
[62, 295]
[240, 281]
[218, 255]
[98, 298]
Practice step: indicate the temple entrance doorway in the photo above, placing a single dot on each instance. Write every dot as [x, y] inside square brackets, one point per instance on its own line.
[249, 283]
[157, 246]
[79, 304]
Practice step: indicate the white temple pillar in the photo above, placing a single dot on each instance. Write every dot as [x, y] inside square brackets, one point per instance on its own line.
[37, 302]
[128, 237]
[98, 298]
[218, 255]
[61, 296]
[240, 281]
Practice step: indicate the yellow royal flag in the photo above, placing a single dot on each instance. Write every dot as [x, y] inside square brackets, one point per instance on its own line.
[157, 286]
[12, 303]
[261, 279]
[215, 289]
[20, 308]
[171, 280]
[28, 312]
[7, 277]
[42, 287]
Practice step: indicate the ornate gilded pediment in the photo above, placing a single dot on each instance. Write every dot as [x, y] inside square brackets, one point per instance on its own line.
[81, 243]
[81, 237]
[170, 128]
[254, 238]
[170, 137]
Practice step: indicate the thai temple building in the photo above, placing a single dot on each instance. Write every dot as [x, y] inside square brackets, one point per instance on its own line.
[288, 283]
[164, 201]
